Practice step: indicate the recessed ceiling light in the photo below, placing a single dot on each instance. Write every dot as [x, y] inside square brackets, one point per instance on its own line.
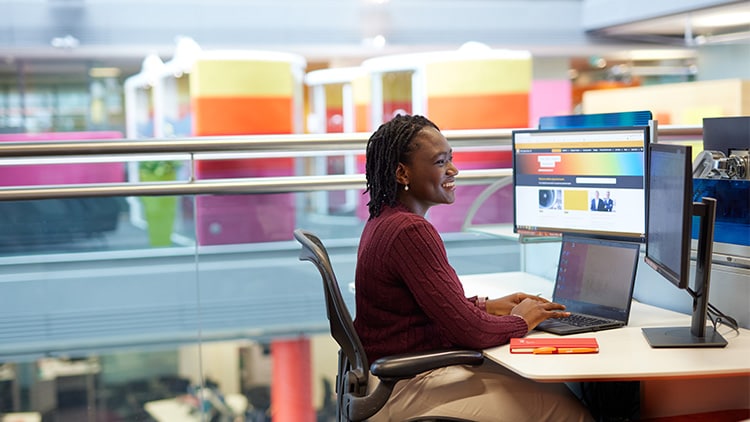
[720, 20]
[654, 54]
[104, 72]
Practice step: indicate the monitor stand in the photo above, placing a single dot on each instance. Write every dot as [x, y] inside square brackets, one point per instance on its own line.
[661, 337]
[697, 335]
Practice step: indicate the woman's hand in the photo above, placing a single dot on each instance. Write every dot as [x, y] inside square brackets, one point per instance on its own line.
[504, 305]
[535, 311]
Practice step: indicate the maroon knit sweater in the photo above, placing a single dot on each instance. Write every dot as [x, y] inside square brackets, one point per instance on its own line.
[410, 299]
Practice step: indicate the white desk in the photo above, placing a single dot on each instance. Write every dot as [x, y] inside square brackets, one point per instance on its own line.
[715, 377]
[57, 375]
[184, 408]
[21, 417]
[8, 374]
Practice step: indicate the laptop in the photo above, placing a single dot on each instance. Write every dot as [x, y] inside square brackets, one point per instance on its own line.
[595, 279]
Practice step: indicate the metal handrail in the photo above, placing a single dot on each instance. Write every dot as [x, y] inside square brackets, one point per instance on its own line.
[222, 186]
[271, 143]
[247, 143]
[255, 143]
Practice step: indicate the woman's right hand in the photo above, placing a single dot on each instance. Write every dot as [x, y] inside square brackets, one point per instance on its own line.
[535, 311]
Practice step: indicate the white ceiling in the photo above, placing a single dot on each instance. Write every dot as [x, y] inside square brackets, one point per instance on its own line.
[336, 32]
[727, 21]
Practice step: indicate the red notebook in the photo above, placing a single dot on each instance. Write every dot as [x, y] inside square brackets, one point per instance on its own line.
[554, 345]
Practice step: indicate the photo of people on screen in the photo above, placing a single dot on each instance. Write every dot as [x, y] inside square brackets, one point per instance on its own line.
[602, 204]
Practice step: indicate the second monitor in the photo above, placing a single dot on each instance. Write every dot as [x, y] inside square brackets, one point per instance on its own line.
[670, 210]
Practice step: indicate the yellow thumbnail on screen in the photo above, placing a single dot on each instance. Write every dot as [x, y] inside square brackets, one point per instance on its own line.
[575, 200]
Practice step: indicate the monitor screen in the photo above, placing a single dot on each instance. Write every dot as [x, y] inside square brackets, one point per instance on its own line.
[581, 181]
[670, 211]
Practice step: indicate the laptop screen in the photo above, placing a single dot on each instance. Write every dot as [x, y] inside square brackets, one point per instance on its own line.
[596, 276]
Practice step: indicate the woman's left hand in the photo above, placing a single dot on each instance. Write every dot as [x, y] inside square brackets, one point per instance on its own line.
[503, 305]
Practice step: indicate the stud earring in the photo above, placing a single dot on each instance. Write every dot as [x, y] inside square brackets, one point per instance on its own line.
[406, 187]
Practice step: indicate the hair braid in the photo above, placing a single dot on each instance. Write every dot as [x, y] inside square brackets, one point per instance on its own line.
[387, 147]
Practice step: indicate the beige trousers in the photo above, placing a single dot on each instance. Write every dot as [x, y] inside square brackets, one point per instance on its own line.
[488, 392]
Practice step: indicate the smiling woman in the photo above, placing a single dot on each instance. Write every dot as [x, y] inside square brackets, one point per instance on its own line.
[427, 173]
[409, 298]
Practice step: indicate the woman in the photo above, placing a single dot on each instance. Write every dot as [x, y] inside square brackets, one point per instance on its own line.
[410, 299]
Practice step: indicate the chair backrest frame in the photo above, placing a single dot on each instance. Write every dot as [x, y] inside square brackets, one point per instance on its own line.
[354, 401]
[339, 318]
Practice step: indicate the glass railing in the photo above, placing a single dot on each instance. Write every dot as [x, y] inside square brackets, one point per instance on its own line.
[109, 309]
[104, 301]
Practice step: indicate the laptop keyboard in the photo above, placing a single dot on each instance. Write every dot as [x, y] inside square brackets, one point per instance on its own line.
[582, 320]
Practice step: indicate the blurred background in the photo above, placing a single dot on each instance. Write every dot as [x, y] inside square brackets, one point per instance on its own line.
[155, 156]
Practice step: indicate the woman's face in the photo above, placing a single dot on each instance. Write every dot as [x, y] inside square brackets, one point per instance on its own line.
[429, 172]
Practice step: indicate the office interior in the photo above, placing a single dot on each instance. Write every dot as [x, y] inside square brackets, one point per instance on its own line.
[147, 247]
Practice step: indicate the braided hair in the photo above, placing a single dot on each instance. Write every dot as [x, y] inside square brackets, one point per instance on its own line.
[390, 145]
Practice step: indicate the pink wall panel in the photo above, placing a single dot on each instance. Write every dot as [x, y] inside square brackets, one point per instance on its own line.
[550, 97]
[61, 174]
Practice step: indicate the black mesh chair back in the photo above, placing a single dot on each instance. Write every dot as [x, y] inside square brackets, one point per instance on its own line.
[354, 401]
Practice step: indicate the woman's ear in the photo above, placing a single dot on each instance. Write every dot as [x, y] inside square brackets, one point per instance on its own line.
[402, 174]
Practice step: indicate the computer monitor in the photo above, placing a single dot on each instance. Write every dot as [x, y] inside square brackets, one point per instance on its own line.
[586, 181]
[670, 210]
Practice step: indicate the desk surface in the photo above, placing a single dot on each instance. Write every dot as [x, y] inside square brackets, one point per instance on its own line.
[51, 368]
[21, 417]
[505, 231]
[183, 409]
[624, 353]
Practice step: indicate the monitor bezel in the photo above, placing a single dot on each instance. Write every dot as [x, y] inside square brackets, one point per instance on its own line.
[648, 134]
[680, 277]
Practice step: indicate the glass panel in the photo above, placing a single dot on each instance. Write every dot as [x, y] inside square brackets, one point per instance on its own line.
[94, 321]
[98, 321]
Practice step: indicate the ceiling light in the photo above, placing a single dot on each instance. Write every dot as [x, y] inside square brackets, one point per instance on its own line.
[104, 72]
[475, 46]
[718, 20]
[67, 41]
[378, 41]
[733, 37]
[662, 70]
[654, 54]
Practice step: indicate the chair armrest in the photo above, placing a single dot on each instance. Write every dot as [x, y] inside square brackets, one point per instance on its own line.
[408, 365]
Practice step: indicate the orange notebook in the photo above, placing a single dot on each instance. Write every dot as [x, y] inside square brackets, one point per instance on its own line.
[554, 345]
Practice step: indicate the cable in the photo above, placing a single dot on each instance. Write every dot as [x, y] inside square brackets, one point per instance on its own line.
[722, 318]
[717, 316]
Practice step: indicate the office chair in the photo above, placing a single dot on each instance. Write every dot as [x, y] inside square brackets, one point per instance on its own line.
[354, 401]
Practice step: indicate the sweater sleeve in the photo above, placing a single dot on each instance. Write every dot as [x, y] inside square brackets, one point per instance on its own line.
[422, 262]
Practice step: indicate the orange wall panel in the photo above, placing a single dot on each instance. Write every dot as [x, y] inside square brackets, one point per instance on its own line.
[237, 116]
[362, 118]
[480, 112]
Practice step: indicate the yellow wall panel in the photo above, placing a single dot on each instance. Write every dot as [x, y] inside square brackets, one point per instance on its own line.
[684, 103]
[237, 78]
[334, 96]
[478, 77]
[361, 90]
[397, 87]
